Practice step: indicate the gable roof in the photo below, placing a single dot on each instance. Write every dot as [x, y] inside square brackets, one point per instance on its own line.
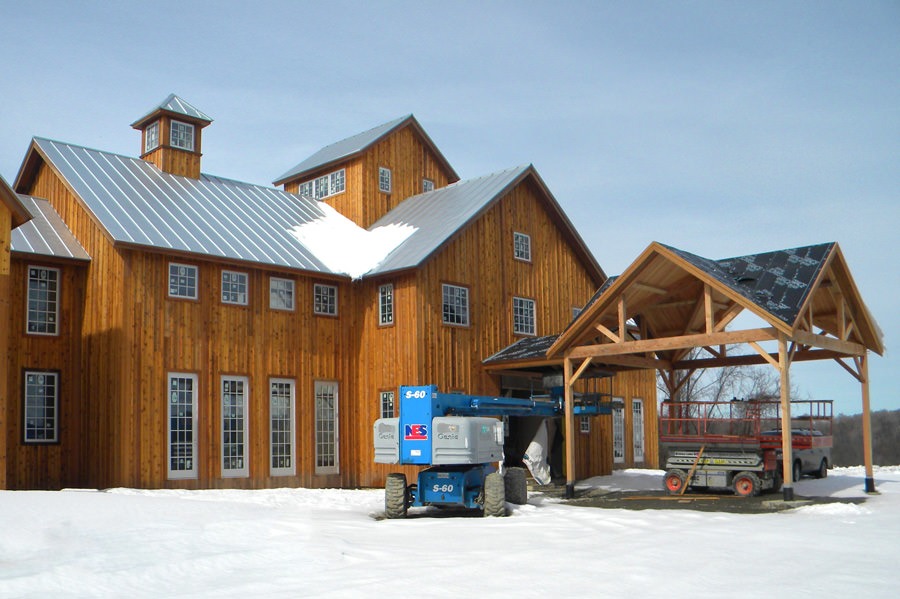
[45, 234]
[138, 204]
[177, 106]
[20, 213]
[440, 215]
[357, 144]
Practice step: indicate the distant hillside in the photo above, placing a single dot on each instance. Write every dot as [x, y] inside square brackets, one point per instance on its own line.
[848, 449]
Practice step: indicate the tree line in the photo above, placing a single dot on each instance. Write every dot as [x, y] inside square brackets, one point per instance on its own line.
[848, 444]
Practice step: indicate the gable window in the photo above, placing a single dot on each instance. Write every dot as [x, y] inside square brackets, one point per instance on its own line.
[523, 316]
[43, 300]
[182, 136]
[324, 186]
[41, 409]
[234, 426]
[151, 137]
[281, 427]
[427, 185]
[234, 287]
[387, 404]
[182, 280]
[281, 294]
[182, 424]
[585, 425]
[522, 247]
[386, 304]
[455, 305]
[384, 179]
[325, 300]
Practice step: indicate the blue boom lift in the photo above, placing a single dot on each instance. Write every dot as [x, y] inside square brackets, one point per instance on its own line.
[460, 439]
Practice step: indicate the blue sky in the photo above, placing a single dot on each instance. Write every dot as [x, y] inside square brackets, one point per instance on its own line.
[722, 128]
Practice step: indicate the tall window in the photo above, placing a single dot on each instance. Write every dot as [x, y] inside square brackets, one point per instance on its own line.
[182, 280]
[522, 246]
[43, 300]
[427, 185]
[182, 136]
[324, 186]
[41, 409]
[386, 304]
[234, 287]
[637, 426]
[618, 414]
[326, 428]
[384, 179]
[281, 294]
[182, 446]
[387, 404]
[455, 305]
[282, 453]
[325, 299]
[585, 424]
[151, 137]
[523, 316]
[234, 426]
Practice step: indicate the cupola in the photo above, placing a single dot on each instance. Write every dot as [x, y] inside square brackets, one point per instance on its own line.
[171, 135]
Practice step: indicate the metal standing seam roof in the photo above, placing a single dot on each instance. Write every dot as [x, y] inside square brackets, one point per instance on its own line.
[178, 106]
[139, 204]
[45, 234]
[437, 215]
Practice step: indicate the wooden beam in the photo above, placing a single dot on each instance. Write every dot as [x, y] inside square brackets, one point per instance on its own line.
[708, 308]
[754, 359]
[581, 370]
[651, 288]
[607, 333]
[838, 345]
[867, 425]
[762, 352]
[667, 343]
[787, 446]
[673, 304]
[730, 314]
[622, 318]
[852, 372]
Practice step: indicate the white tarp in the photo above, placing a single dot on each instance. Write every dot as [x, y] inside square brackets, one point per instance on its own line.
[535, 457]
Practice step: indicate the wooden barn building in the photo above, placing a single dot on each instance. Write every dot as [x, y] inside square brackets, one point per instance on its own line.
[164, 327]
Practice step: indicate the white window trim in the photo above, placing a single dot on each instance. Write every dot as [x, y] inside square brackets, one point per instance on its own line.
[526, 257]
[382, 313]
[151, 142]
[427, 185]
[55, 331]
[637, 427]
[190, 127]
[246, 291]
[316, 308]
[335, 444]
[584, 425]
[291, 285]
[192, 471]
[244, 470]
[468, 314]
[385, 180]
[618, 426]
[525, 302]
[196, 280]
[391, 397]
[47, 441]
[333, 183]
[292, 469]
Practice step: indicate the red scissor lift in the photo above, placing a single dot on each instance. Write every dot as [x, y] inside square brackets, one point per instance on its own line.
[737, 444]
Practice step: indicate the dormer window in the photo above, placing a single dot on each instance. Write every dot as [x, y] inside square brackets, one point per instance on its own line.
[151, 137]
[182, 136]
[325, 186]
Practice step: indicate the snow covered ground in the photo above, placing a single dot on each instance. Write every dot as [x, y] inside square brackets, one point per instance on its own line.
[327, 543]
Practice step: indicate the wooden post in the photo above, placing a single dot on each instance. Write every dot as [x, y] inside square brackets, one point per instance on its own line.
[787, 446]
[569, 428]
[866, 423]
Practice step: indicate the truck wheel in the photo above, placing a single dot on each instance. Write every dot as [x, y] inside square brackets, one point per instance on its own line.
[798, 470]
[674, 481]
[396, 496]
[823, 469]
[745, 484]
[494, 495]
[515, 486]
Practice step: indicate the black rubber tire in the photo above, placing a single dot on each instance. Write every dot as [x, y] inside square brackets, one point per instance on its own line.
[674, 481]
[822, 472]
[745, 484]
[396, 496]
[777, 482]
[494, 495]
[798, 470]
[515, 486]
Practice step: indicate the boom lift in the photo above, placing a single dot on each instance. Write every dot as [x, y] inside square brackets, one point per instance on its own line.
[459, 438]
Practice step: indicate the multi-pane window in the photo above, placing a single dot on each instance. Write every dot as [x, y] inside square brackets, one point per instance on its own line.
[182, 136]
[637, 429]
[182, 280]
[324, 186]
[151, 137]
[182, 429]
[455, 305]
[234, 287]
[522, 246]
[427, 185]
[234, 426]
[387, 404]
[43, 300]
[282, 456]
[325, 299]
[386, 304]
[281, 294]
[585, 424]
[523, 316]
[41, 409]
[326, 428]
[618, 418]
[384, 179]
